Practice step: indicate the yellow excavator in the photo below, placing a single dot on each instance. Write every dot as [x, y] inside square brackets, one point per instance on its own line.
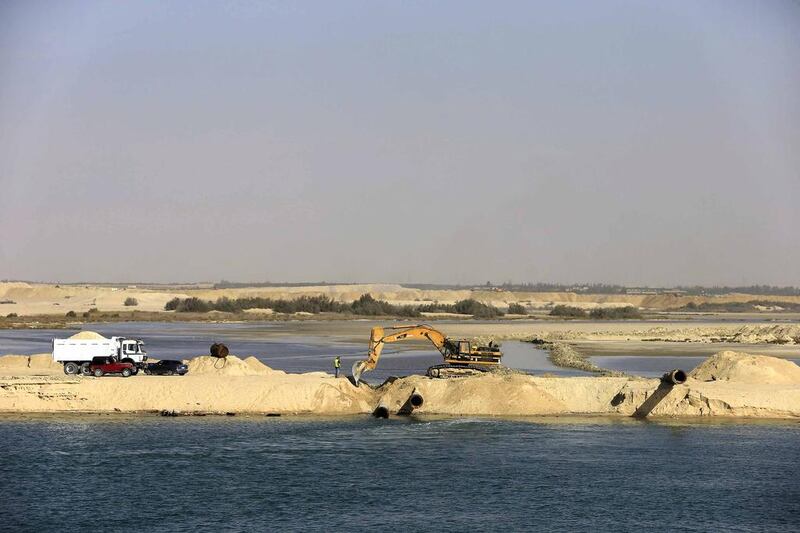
[460, 356]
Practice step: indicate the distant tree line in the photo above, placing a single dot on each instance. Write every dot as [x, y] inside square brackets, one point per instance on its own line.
[598, 313]
[225, 284]
[738, 307]
[604, 288]
[366, 305]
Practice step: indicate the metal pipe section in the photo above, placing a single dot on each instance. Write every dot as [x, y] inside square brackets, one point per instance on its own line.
[416, 400]
[674, 377]
[381, 411]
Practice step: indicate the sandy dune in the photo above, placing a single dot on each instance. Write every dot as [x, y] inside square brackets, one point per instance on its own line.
[742, 385]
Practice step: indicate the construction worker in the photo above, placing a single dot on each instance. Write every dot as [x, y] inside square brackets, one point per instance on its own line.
[337, 364]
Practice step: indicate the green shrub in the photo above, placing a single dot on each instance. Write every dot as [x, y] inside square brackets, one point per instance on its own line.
[12, 315]
[568, 311]
[93, 310]
[369, 306]
[463, 307]
[615, 313]
[172, 305]
[477, 309]
[131, 302]
[194, 305]
[71, 314]
[517, 309]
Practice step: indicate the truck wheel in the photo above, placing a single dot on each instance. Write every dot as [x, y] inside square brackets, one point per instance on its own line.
[98, 372]
[70, 368]
[135, 370]
[168, 373]
[126, 372]
[85, 369]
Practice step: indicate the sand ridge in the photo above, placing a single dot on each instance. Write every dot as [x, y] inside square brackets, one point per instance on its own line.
[31, 384]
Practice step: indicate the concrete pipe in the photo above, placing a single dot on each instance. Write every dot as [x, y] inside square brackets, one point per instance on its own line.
[416, 400]
[219, 350]
[674, 377]
[381, 411]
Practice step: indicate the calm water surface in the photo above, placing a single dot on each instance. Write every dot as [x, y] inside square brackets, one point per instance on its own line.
[275, 474]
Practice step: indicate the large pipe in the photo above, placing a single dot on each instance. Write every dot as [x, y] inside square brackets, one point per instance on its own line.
[416, 400]
[381, 411]
[674, 377]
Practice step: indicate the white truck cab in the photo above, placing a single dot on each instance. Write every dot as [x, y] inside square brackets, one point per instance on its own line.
[76, 354]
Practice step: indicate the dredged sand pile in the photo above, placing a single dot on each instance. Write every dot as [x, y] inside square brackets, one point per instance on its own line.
[743, 385]
[745, 368]
[205, 365]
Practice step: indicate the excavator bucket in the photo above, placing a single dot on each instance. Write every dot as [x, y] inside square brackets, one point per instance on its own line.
[375, 347]
[358, 368]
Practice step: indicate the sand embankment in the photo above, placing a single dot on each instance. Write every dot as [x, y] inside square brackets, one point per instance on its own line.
[237, 386]
[788, 334]
[727, 384]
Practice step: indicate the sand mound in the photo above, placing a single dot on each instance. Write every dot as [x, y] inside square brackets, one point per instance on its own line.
[747, 368]
[44, 361]
[87, 335]
[511, 394]
[227, 366]
[38, 362]
[14, 362]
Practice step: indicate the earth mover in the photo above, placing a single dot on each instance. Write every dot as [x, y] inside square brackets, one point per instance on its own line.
[460, 356]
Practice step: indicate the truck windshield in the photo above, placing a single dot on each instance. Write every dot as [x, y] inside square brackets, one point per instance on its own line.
[141, 348]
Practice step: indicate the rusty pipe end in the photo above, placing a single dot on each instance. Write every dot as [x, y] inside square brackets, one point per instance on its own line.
[675, 377]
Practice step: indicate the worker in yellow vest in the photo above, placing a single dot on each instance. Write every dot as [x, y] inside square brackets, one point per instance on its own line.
[337, 364]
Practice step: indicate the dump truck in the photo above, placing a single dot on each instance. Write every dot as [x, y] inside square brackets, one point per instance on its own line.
[460, 356]
[77, 354]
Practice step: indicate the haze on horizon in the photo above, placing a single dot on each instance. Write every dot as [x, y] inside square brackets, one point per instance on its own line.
[627, 142]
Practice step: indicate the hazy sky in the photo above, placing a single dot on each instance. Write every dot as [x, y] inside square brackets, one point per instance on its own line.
[616, 141]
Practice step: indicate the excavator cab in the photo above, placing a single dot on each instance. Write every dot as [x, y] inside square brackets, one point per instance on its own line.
[464, 348]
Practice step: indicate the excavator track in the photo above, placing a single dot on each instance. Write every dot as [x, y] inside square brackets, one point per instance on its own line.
[456, 371]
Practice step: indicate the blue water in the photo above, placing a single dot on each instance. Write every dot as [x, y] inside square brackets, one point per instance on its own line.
[119, 473]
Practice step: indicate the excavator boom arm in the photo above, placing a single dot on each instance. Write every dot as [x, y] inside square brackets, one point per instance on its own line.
[378, 338]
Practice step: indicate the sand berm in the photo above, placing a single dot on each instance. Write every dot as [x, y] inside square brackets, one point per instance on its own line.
[728, 384]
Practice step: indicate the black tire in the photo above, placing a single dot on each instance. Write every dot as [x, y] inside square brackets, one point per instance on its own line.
[98, 372]
[70, 368]
[168, 373]
[126, 372]
[85, 370]
[135, 370]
